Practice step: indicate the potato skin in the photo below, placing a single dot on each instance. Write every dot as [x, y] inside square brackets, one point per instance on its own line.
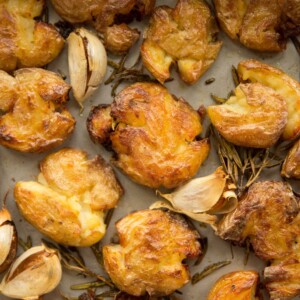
[268, 215]
[153, 244]
[239, 285]
[154, 155]
[185, 35]
[255, 117]
[255, 23]
[35, 118]
[69, 198]
[291, 165]
[289, 88]
[25, 42]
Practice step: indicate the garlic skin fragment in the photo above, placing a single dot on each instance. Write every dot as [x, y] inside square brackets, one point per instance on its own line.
[202, 198]
[8, 240]
[36, 272]
[87, 63]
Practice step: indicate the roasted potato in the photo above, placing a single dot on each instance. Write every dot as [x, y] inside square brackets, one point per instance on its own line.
[289, 89]
[259, 24]
[25, 42]
[153, 244]
[185, 35]
[268, 216]
[254, 117]
[239, 285]
[291, 165]
[34, 118]
[103, 14]
[152, 134]
[69, 198]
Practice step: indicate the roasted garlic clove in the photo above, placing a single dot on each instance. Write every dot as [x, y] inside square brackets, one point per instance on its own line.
[8, 240]
[36, 272]
[291, 165]
[87, 63]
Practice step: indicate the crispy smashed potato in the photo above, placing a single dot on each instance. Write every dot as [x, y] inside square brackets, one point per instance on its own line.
[25, 42]
[68, 201]
[35, 118]
[254, 117]
[153, 135]
[268, 216]
[153, 244]
[291, 165]
[239, 285]
[259, 24]
[185, 35]
[287, 87]
[103, 14]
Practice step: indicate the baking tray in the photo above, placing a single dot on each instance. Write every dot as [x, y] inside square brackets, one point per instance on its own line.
[17, 166]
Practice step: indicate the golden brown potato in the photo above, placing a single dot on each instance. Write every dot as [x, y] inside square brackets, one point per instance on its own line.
[239, 285]
[291, 165]
[153, 244]
[291, 13]
[103, 14]
[256, 23]
[268, 216]
[25, 42]
[254, 117]
[185, 35]
[284, 85]
[35, 117]
[153, 135]
[68, 201]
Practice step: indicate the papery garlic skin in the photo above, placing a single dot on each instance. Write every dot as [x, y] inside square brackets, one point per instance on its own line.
[36, 272]
[8, 240]
[87, 63]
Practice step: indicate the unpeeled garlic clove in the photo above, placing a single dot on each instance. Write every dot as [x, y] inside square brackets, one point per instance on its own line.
[202, 198]
[36, 272]
[8, 240]
[87, 63]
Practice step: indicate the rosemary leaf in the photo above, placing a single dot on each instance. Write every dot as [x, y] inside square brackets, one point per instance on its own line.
[235, 76]
[218, 99]
[204, 246]
[208, 270]
[87, 285]
[25, 245]
[98, 254]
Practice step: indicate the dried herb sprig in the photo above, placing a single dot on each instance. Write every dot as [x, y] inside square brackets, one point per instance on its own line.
[244, 165]
[208, 270]
[25, 245]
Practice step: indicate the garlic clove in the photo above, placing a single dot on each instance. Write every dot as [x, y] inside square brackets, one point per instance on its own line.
[87, 63]
[8, 240]
[36, 272]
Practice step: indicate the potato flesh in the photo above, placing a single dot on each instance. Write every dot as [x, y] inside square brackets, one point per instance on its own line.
[149, 258]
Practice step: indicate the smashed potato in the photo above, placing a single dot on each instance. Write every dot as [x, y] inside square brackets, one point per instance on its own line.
[268, 216]
[287, 87]
[239, 285]
[185, 35]
[152, 134]
[35, 118]
[69, 198]
[291, 165]
[25, 42]
[258, 24]
[103, 14]
[254, 117]
[153, 244]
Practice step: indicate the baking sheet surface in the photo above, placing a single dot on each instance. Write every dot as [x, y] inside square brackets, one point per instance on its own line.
[18, 166]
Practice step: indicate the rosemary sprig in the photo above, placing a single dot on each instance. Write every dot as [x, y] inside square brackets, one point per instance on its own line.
[87, 285]
[208, 270]
[25, 245]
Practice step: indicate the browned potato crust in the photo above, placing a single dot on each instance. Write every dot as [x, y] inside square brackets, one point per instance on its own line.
[239, 285]
[268, 215]
[153, 135]
[185, 35]
[256, 23]
[153, 245]
[254, 117]
[68, 201]
[35, 118]
[284, 85]
[291, 165]
[25, 42]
